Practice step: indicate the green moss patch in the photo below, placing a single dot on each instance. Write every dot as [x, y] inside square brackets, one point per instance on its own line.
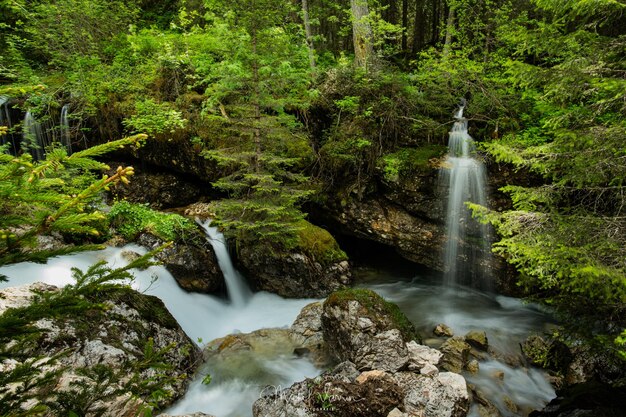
[318, 244]
[408, 160]
[132, 219]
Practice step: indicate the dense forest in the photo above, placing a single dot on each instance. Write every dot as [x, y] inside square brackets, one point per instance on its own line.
[289, 104]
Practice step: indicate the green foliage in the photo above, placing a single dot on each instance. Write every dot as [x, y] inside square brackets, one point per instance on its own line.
[44, 197]
[130, 220]
[409, 161]
[153, 118]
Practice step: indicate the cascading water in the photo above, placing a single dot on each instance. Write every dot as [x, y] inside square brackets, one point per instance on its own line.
[5, 120]
[202, 317]
[467, 250]
[33, 140]
[65, 129]
[238, 292]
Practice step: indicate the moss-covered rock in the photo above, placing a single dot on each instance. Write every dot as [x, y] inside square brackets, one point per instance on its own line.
[313, 266]
[360, 326]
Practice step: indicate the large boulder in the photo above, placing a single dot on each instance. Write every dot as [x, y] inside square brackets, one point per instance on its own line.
[361, 327]
[191, 261]
[392, 375]
[98, 353]
[313, 267]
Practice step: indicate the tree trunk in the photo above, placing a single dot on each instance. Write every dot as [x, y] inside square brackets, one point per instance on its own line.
[405, 24]
[362, 34]
[449, 29]
[309, 36]
[419, 27]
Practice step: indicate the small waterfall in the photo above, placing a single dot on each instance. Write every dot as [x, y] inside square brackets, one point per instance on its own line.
[5, 120]
[467, 251]
[65, 129]
[33, 140]
[238, 291]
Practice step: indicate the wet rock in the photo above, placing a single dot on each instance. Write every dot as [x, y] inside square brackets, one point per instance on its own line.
[472, 366]
[293, 273]
[442, 330]
[477, 339]
[444, 395]
[498, 375]
[360, 326]
[78, 347]
[484, 407]
[306, 331]
[158, 189]
[191, 261]
[377, 219]
[186, 415]
[455, 354]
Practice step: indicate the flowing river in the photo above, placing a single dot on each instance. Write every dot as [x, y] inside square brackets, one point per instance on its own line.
[236, 386]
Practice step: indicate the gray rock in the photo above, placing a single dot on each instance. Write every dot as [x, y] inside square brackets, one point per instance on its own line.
[421, 356]
[79, 346]
[191, 261]
[444, 395]
[380, 344]
[290, 274]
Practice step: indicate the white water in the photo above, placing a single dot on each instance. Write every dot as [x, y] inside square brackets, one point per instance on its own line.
[202, 317]
[238, 380]
[507, 322]
[467, 249]
[238, 291]
[65, 129]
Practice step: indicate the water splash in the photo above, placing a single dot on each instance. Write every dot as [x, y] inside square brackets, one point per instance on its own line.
[467, 250]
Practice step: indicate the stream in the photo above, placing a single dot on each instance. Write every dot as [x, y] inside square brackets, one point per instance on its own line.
[236, 385]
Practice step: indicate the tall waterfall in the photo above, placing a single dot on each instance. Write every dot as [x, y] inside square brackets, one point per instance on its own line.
[467, 250]
[65, 130]
[238, 292]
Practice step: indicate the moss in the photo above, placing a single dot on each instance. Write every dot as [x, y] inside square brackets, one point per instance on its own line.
[378, 309]
[132, 219]
[409, 160]
[318, 244]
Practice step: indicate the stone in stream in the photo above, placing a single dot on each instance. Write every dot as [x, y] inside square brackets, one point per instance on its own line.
[455, 354]
[477, 339]
[442, 330]
[391, 371]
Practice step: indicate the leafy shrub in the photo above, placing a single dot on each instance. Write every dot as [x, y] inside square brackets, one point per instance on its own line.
[132, 219]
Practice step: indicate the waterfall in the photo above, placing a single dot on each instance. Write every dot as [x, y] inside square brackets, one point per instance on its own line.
[65, 129]
[467, 250]
[33, 137]
[238, 291]
[5, 120]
